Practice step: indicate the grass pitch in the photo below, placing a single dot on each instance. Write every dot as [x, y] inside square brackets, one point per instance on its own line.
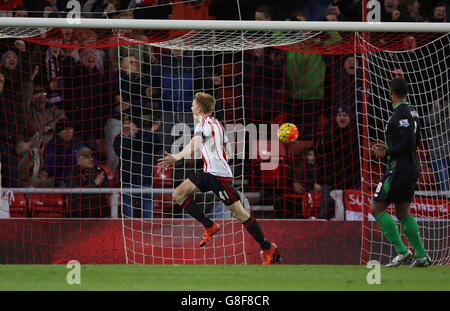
[221, 278]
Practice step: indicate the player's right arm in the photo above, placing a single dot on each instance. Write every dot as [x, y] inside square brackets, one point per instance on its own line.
[187, 152]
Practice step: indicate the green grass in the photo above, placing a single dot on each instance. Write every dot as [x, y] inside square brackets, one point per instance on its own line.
[222, 278]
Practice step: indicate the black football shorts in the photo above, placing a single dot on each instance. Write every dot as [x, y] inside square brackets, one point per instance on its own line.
[394, 189]
[221, 186]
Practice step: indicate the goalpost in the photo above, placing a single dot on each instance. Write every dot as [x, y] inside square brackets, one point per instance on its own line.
[142, 75]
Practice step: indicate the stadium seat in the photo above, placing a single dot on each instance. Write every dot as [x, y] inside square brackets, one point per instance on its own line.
[162, 177]
[18, 206]
[311, 204]
[47, 205]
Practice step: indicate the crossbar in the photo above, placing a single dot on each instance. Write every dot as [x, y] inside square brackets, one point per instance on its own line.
[161, 24]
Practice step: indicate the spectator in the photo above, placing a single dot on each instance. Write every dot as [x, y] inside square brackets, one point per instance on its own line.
[53, 63]
[439, 14]
[68, 40]
[17, 82]
[263, 77]
[88, 37]
[344, 71]
[304, 83]
[99, 8]
[302, 179]
[413, 66]
[8, 130]
[389, 10]
[263, 13]
[46, 8]
[196, 10]
[263, 83]
[31, 161]
[189, 10]
[20, 11]
[60, 153]
[57, 6]
[136, 148]
[438, 125]
[412, 7]
[141, 52]
[134, 89]
[351, 9]
[226, 80]
[313, 10]
[178, 76]
[87, 98]
[87, 174]
[151, 9]
[7, 7]
[8, 139]
[304, 173]
[337, 158]
[52, 9]
[333, 14]
[42, 118]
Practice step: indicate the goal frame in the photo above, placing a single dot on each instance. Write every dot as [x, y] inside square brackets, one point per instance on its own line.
[156, 24]
[220, 25]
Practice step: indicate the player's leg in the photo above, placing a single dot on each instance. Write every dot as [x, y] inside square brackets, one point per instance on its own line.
[387, 224]
[183, 195]
[231, 199]
[249, 222]
[411, 230]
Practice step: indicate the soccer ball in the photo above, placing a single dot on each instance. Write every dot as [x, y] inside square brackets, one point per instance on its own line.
[288, 133]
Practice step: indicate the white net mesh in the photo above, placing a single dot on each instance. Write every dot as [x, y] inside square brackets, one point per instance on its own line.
[426, 70]
[157, 88]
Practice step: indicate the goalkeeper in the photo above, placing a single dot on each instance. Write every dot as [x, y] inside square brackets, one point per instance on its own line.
[399, 180]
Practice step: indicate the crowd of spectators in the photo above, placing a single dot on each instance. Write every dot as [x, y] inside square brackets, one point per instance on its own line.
[60, 103]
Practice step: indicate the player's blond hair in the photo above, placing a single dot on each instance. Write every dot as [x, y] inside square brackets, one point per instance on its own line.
[205, 101]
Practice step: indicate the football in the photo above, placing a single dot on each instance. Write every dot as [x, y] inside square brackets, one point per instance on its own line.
[287, 133]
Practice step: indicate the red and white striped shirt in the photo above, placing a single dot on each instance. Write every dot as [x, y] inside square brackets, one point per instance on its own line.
[213, 147]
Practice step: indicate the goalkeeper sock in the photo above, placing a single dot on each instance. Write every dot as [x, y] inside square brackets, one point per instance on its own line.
[390, 231]
[255, 231]
[194, 210]
[411, 230]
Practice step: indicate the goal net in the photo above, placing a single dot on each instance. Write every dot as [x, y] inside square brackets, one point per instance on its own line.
[88, 112]
[425, 67]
